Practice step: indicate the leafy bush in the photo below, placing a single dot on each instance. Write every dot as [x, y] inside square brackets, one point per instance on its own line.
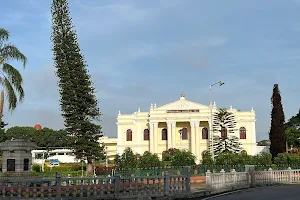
[207, 158]
[287, 159]
[127, 160]
[264, 159]
[183, 158]
[64, 168]
[36, 168]
[149, 160]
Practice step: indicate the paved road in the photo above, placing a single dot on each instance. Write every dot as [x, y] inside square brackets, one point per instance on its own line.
[286, 192]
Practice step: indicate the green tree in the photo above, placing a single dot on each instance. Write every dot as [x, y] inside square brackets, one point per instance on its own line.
[128, 159]
[230, 158]
[224, 124]
[168, 154]
[207, 158]
[294, 122]
[45, 137]
[277, 135]
[77, 96]
[287, 159]
[3, 137]
[227, 158]
[117, 160]
[22, 132]
[183, 158]
[293, 137]
[48, 138]
[149, 160]
[11, 79]
[264, 159]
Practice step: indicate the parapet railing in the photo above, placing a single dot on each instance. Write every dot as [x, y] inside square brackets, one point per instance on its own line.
[221, 182]
[115, 187]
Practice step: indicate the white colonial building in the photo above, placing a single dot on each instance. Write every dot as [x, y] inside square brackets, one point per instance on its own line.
[181, 124]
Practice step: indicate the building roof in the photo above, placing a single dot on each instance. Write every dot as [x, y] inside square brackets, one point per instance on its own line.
[183, 104]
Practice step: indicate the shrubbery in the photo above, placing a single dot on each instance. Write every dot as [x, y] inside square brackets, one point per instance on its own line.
[183, 158]
[36, 168]
[287, 159]
[263, 159]
[128, 160]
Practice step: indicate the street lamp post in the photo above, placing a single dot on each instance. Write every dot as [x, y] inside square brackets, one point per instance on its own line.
[211, 118]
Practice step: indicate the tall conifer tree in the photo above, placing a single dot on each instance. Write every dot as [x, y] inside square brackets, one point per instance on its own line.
[277, 135]
[224, 125]
[77, 95]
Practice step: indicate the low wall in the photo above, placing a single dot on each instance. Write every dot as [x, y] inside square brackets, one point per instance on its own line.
[223, 182]
[198, 179]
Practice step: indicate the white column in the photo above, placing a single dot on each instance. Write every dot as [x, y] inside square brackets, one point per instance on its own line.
[169, 134]
[210, 133]
[192, 139]
[151, 139]
[155, 137]
[173, 134]
[140, 135]
[253, 137]
[120, 140]
[197, 140]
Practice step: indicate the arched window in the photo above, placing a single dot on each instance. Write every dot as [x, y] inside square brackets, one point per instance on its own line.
[184, 133]
[243, 133]
[204, 133]
[146, 134]
[223, 132]
[129, 135]
[164, 134]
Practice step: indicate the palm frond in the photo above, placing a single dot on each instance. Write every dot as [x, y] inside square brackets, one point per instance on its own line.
[11, 52]
[14, 76]
[4, 35]
[10, 93]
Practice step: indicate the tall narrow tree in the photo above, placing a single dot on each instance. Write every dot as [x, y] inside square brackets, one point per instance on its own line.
[77, 95]
[224, 125]
[277, 135]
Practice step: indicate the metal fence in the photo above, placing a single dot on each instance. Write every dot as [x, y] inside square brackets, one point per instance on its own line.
[197, 170]
[114, 187]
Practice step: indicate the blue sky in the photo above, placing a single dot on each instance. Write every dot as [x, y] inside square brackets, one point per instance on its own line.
[142, 52]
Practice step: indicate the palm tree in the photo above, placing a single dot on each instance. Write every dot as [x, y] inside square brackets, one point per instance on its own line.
[10, 78]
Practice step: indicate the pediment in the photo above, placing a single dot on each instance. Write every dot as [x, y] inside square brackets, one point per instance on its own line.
[182, 105]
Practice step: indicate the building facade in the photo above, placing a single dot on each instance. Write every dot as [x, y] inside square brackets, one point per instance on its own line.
[110, 145]
[181, 124]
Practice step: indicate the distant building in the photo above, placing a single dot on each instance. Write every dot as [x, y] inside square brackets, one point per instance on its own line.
[63, 156]
[110, 145]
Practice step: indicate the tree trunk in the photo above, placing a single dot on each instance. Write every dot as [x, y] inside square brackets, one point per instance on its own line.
[90, 169]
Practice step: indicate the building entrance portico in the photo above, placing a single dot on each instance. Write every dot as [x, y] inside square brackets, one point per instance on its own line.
[181, 124]
[171, 135]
